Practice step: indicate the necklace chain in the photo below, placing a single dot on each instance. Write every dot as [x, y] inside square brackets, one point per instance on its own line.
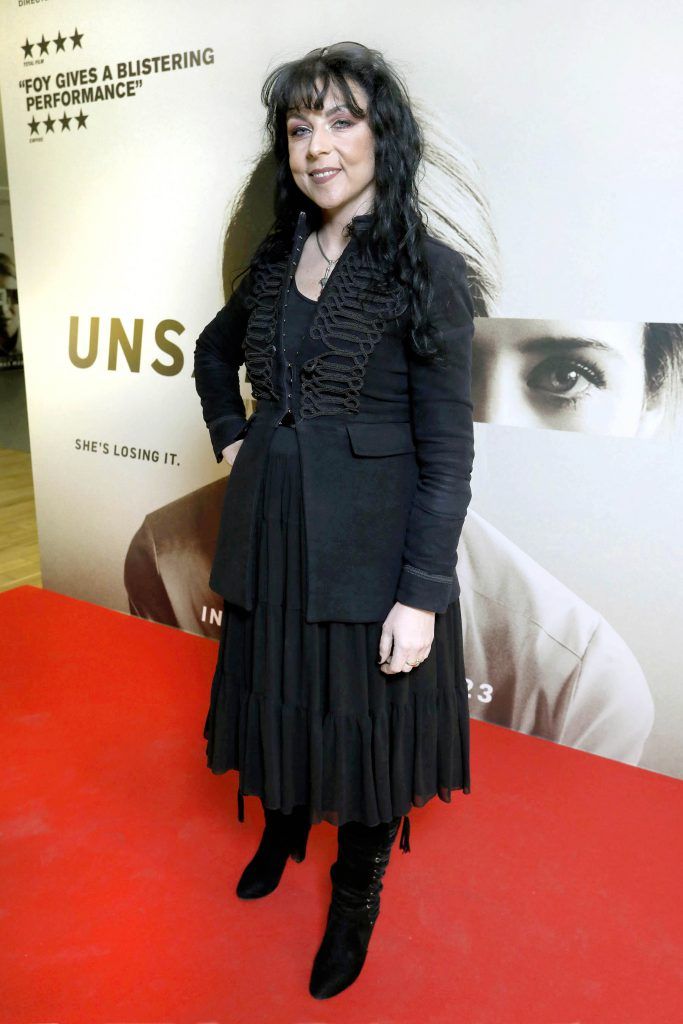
[330, 263]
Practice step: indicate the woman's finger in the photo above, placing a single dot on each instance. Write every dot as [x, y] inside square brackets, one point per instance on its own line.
[411, 659]
[385, 642]
[400, 658]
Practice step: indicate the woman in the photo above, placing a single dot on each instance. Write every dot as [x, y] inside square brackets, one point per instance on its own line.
[340, 691]
[590, 376]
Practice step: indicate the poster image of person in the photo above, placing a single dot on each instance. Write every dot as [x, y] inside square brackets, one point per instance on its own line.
[595, 377]
[10, 336]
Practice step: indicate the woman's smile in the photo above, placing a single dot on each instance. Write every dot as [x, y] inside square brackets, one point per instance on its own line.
[325, 174]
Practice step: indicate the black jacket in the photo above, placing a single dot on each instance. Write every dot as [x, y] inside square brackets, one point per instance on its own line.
[386, 439]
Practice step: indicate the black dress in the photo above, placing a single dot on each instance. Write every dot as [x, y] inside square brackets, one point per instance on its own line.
[302, 710]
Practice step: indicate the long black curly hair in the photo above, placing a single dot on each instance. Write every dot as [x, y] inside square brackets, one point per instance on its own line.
[395, 236]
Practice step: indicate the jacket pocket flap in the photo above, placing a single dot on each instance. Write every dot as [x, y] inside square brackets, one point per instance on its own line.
[381, 438]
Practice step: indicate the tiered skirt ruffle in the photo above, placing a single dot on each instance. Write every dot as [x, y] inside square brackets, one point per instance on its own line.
[302, 710]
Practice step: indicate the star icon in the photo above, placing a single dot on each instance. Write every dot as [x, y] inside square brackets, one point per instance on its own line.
[28, 49]
[33, 125]
[59, 42]
[81, 118]
[49, 124]
[44, 44]
[64, 121]
[76, 39]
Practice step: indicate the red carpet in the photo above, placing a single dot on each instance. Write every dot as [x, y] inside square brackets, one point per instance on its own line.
[550, 894]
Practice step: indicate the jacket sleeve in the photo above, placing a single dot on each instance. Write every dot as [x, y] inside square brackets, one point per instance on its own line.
[218, 356]
[444, 436]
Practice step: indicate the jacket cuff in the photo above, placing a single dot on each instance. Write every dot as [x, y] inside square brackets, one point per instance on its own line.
[425, 590]
[226, 430]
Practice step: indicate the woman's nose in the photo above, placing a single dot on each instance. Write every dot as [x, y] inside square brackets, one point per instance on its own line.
[319, 141]
[498, 396]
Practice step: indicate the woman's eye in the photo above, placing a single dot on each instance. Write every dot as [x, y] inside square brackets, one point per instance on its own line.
[296, 132]
[567, 380]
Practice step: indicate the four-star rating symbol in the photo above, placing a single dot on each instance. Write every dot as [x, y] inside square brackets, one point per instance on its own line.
[80, 118]
[44, 44]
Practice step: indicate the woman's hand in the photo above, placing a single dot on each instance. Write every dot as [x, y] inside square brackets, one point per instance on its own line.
[230, 451]
[412, 633]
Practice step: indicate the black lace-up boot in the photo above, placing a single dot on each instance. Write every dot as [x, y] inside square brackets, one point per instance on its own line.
[362, 859]
[284, 835]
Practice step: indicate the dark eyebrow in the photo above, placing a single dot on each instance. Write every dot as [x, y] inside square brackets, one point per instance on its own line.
[567, 343]
[330, 110]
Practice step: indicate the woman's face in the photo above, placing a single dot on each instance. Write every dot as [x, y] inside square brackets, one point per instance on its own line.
[9, 306]
[333, 138]
[564, 375]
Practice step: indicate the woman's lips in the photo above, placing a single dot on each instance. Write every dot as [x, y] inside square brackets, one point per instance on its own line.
[323, 177]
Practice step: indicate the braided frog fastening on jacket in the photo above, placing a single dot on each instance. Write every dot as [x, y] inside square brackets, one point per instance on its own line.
[349, 320]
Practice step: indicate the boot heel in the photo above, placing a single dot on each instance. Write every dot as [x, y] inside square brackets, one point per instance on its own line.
[301, 828]
[282, 838]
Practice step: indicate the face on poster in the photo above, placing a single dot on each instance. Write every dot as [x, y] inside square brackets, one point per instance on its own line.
[549, 162]
[10, 328]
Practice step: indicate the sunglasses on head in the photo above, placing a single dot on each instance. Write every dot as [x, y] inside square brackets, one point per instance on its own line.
[349, 48]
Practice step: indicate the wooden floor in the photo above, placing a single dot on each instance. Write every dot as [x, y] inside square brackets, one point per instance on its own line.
[19, 557]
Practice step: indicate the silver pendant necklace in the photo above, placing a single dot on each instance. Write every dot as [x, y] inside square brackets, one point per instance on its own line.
[330, 263]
